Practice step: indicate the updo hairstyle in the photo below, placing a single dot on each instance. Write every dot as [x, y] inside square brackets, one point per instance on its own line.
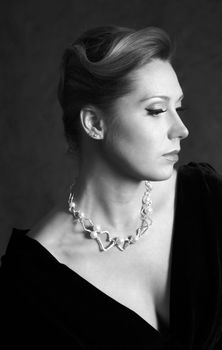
[95, 69]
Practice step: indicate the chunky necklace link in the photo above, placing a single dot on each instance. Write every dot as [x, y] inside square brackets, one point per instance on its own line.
[96, 233]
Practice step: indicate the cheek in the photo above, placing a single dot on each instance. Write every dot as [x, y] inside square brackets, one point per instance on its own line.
[137, 140]
[136, 150]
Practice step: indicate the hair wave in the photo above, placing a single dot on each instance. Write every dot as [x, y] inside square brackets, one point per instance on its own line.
[95, 69]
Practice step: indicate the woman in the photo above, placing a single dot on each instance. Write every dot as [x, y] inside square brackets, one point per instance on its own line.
[141, 269]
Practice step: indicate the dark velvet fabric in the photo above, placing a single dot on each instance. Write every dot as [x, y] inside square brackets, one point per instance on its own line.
[45, 304]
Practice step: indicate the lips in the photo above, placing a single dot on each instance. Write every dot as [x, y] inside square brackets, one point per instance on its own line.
[172, 156]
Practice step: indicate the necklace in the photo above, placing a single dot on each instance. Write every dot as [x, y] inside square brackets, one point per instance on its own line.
[96, 233]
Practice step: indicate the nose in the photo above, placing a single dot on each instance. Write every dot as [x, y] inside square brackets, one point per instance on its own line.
[177, 129]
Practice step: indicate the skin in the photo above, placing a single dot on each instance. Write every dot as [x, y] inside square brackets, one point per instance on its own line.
[131, 149]
[109, 190]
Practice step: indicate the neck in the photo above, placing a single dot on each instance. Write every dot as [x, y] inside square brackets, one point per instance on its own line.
[112, 201]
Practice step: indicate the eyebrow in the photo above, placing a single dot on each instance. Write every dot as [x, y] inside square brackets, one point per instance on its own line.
[167, 98]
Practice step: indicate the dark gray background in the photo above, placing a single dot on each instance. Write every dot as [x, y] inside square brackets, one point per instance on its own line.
[33, 164]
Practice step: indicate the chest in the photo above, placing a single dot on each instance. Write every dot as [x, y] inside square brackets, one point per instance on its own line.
[146, 291]
[139, 280]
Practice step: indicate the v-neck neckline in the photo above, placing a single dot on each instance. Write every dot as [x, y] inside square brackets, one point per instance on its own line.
[168, 329]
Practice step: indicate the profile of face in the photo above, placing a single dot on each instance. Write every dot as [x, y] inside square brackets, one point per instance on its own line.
[146, 124]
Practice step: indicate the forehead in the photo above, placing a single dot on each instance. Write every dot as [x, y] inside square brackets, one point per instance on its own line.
[156, 78]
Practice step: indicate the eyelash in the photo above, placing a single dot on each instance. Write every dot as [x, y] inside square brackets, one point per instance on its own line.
[158, 111]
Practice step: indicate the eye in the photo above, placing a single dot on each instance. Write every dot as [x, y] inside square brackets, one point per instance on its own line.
[155, 112]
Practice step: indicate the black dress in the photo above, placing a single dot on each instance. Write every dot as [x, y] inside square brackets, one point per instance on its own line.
[46, 305]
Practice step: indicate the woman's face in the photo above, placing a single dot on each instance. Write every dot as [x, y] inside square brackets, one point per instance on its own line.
[146, 124]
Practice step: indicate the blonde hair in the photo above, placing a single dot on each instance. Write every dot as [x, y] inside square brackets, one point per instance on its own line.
[95, 69]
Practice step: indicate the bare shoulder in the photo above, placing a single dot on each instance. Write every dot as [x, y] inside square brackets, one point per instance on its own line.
[47, 227]
[56, 232]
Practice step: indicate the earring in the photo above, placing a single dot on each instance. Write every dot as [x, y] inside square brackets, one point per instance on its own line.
[94, 135]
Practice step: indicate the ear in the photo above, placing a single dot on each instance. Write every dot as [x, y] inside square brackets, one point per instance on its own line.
[92, 122]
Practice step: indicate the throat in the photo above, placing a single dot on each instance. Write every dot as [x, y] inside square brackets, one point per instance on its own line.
[119, 223]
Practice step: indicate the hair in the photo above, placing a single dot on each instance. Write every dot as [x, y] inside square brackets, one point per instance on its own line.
[95, 70]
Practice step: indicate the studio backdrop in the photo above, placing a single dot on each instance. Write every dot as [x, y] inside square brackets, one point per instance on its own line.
[34, 166]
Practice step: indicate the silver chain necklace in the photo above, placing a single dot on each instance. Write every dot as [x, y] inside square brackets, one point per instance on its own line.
[96, 233]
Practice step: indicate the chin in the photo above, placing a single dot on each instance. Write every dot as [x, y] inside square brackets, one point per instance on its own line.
[160, 173]
[155, 172]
